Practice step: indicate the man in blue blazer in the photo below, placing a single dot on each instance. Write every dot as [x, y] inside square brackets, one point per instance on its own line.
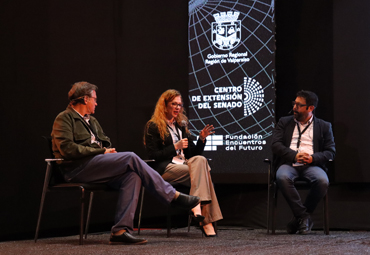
[302, 144]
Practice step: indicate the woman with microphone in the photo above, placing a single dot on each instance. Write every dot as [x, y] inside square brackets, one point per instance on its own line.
[168, 141]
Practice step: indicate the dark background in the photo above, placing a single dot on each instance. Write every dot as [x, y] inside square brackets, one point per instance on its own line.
[134, 51]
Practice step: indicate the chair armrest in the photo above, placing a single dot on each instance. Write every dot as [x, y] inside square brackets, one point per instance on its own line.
[149, 160]
[53, 159]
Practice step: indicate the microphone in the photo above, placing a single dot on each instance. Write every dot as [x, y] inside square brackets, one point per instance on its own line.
[184, 123]
[290, 111]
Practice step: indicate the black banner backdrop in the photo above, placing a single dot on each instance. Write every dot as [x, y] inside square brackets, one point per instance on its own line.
[231, 84]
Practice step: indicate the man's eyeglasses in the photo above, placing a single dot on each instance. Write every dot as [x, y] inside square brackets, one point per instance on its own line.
[176, 105]
[294, 103]
[95, 99]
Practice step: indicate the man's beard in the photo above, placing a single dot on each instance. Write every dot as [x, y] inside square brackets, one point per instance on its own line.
[299, 116]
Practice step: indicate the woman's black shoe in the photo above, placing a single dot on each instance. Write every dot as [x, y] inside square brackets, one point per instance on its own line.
[204, 233]
[197, 218]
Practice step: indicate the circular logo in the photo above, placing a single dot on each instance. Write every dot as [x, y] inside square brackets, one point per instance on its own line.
[254, 96]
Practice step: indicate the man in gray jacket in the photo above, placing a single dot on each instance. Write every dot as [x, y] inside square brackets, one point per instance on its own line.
[78, 138]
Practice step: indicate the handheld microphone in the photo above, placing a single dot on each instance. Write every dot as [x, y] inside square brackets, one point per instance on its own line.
[184, 123]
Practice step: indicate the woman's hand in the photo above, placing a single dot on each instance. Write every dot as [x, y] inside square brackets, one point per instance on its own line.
[206, 131]
[182, 144]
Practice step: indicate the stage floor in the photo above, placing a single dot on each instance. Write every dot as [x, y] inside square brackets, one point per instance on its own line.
[231, 240]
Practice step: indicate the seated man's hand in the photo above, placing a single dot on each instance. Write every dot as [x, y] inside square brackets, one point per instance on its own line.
[303, 158]
[110, 150]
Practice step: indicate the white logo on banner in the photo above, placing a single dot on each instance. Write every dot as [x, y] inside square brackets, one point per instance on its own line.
[212, 142]
[254, 96]
[226, 31]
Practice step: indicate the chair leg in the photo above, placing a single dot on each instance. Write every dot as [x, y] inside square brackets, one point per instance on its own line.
[269, 201]
[82, 215]
[140, 210]
[44, 189]
[88, 214]
[40, 214]
[169, 221]
[326, 215]
[189, 222]
[268, 211]
[273, 213]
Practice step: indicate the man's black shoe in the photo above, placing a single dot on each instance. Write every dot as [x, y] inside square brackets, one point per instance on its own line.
[126, 238]
[185, 202]
[305, 225]
[292, 226]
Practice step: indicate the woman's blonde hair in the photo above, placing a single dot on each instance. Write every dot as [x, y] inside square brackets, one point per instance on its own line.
[160, 112]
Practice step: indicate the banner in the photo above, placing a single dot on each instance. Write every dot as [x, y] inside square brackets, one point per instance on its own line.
[231, 81]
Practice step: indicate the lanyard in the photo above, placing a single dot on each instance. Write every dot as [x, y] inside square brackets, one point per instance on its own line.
[93, 132]
[176, 133]
[301, 133]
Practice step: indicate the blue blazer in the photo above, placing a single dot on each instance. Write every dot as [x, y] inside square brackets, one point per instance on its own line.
[323, 142]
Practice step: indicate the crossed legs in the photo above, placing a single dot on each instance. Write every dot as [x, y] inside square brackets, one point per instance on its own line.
[126, 172]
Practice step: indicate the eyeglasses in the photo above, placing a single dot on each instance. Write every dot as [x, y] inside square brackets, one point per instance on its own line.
[177, 105]
[95, 99]
[294, 103]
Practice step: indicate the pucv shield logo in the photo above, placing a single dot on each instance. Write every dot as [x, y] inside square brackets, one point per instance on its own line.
[226, 30]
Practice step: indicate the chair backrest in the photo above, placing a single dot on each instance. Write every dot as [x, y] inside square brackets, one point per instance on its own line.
[56, 174]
